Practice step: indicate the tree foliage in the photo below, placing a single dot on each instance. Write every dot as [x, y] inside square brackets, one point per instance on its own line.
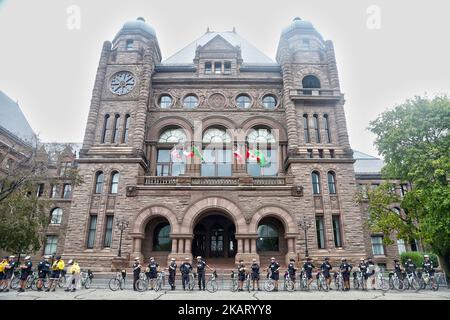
[414, 140]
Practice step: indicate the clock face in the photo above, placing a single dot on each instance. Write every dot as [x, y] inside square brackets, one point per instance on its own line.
[122, 83]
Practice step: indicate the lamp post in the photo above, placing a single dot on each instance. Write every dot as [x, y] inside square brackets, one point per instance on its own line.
[122, 224]
[305, 224]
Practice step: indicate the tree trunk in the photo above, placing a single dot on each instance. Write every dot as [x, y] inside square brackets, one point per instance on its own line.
[444, 261]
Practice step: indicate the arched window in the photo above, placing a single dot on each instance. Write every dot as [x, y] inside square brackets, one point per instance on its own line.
[316, 127]
[99, 177]
[190, 101]
[310, 82]
[105, 127]
[267, 238]
[315, 182]
[262, 153]
[331, 182]
[126, 129]
[114, 182]
[171, 161]
[161, 238]
[326, 126]
[306, 128]
[56, 216]
[115, 132]
[216, 153]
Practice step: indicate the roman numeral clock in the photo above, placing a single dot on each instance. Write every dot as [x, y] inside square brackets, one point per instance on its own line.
[122, 83]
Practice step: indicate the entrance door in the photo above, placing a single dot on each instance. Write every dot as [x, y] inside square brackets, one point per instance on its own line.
[199, 241]
[217, 241]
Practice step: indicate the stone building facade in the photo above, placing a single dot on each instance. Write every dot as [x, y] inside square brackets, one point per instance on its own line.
[222, 97]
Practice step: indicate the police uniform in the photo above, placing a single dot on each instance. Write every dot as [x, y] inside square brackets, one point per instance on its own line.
[345, 269]
[410, 267]
[398, 269]
[292, 270]
[2, 269]
[43, 269]
[185, 268]
[136, 272]
[326, 268]
[428, 267]
[25, 272]
[308, 267]
[172, 271]
[241, 273]
[57, 267]
[153, 270]
[363, 268]
[255, 271]
[201, 265]
[274, 269]
[9, 269]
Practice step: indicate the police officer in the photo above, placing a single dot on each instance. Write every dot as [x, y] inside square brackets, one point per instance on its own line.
[201, 266]
[172, 272]
[185, 269]
[241, 275]
[308, 267]
[363, 269]
[3, 264]
[25, 271]
[136, 272]
[292, 269]
[345, 269]
[398, 269]
[371, 271]
[43, 271]
[274, 268]
[427, 265]
[9, 271]
[57, 268]
[255, 274]
[410, 267]
[152, 272]
[326, 271]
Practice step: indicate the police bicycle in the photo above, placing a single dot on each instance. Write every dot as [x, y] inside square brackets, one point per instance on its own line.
[322, 282]
[395, 282]
[86, 279]
[118, 282]
[192, 277]
[269, 284]
[410, 281]
[303, 281]
[234, 282]
[248, 281]
[289, 285]
[427, 280]
[34, 284]
[211, 284]
[160, 281]
[380, 282]
[359, 281]
[339, 281]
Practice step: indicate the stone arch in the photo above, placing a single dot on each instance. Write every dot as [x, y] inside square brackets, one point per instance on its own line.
[312, 71]
[161, 124]
[151, 212]
[213, 203]
[220, 121]
[288, 221]
[264, 121]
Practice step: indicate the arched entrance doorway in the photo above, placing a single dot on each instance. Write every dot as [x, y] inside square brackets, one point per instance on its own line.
[271, 241]
[157, 242]
[214, 237]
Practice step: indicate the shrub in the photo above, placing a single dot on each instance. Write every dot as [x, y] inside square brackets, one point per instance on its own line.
[417, 258]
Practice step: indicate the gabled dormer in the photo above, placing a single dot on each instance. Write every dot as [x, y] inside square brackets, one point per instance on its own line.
[217, 57]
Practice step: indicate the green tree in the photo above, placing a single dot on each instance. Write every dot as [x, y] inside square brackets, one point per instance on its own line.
[414, 140]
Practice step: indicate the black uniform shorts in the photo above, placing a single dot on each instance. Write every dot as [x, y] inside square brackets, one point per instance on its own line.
[42, 274]
[241, 277]
[255, 276]
[275, 276]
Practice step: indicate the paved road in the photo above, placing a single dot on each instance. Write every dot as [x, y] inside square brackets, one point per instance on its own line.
[106, 294]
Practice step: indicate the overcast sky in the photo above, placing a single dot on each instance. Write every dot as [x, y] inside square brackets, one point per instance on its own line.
[50, 69]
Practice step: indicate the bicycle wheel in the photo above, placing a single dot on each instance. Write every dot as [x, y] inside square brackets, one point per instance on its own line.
[14, 283]
[356, 283]
[142, 285]
[434, 284]
[234, 285]
[158, 284]
[420, 285]
[114, 284]
[87, 283]
[382, 284]
[212, 286]
[269, 285]
[248, 284]
[397, 284]
[289, 285]
[62, 281]
[29, 282]
[324, 285]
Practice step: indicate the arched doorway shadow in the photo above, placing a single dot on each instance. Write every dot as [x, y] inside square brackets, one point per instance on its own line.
[214, 237]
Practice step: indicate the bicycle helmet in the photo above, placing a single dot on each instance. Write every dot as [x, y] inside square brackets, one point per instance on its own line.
[70, 261]
[173, 259]
[426, 256]
[137, 258]
[186, 258]
[362, 259]
[27, 258]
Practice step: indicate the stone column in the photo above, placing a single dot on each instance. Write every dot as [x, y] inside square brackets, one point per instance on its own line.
[180, 245]
[240, 246]
[253, 245]
[247, 245]
[174, 245]
[187, 246]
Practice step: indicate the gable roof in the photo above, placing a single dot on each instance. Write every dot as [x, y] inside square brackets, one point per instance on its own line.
[250, 54]
[13, 120]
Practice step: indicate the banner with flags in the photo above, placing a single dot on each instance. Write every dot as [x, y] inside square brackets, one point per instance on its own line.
[175, 155]
[238, 155]
[257, 156]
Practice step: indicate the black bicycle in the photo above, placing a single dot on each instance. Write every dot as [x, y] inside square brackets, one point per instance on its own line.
[118, 282]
